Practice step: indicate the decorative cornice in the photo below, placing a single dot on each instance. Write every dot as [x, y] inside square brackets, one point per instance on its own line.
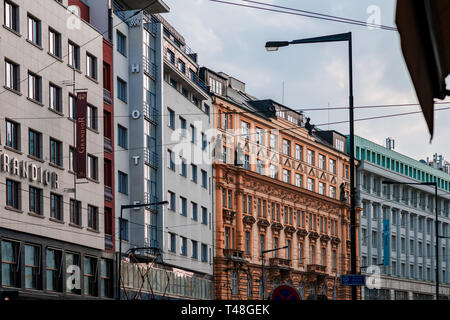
[248, 220]
[302, 233]
[313, 235]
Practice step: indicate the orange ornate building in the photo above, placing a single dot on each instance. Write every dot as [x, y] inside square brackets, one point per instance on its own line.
[279, 183]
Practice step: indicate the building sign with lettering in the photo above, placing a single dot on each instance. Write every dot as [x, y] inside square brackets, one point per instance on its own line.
[28, 170]
[81, 120]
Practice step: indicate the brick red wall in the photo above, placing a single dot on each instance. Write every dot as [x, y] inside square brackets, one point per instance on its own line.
[84, 9]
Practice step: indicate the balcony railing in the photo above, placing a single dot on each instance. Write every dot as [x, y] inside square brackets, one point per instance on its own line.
[151, 243]
[108, 194]
[107, 144]
[108, 241]
[151, 113]
[278, 262]
[151, 27]
[149, 67]
[316, 268]
[150, 198]
[107, 96]
[151, 158]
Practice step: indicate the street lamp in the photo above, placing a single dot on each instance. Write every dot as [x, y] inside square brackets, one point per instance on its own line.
[436, 222]
[273, 46]
[119, 259]
[264, 270]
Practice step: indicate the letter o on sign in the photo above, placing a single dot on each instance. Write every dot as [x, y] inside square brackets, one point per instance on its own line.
[135, 114]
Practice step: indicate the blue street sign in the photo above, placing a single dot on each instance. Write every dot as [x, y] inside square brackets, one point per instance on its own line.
[353, 280]
[386, 242]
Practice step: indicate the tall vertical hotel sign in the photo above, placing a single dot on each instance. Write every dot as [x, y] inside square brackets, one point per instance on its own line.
[81, 108]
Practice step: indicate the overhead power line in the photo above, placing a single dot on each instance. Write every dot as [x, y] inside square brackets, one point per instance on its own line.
[308, 14]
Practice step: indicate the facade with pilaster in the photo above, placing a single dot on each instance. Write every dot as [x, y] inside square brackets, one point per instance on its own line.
[408, 272]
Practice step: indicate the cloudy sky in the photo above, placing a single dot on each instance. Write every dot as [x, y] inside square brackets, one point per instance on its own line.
[231, 39]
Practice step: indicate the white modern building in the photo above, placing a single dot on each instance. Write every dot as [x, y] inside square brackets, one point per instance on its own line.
[51, 224]
[405, 252]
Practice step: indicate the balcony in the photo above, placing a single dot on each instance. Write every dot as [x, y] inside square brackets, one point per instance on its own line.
[151, 113]
[149, 67]
[233, 254]
[228, 215]
[289, 230]
[248, 220]
[151, 158]
[108, 242]
[280, 263]
[107, 145]
[107, 96]
[316, 268]
[108, 194]
[276, 226]
[325, 238]
[313, 235]
[302, 232]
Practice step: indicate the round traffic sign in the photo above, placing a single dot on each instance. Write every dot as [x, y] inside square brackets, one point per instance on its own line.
[284, 292]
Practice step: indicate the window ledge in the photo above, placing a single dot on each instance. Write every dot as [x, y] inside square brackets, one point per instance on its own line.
[71, 224]
[93, 130]
[35, 101]
[13, 150]
[12, 30]
[92, 79]
[55, 56]
[92, 230]
[56, 166]
[56, 220]
[36, 215]
[73, 68]
[59, 113]
[35, 158]
[13, 209]
[92, 180]
[13, 90]
[35, 45]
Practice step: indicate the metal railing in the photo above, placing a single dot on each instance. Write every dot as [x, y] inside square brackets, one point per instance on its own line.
[151, 113]
[149, 67]
[151, 158]
[108, 193]
[108, 241]
[107, 96]
[107, 144]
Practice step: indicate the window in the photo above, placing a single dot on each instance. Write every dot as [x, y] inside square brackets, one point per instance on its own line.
[332, 192]
[124, 229]
[34, 87]
[286, 176]
[227, 238]
[247, 242]
[75, 212]
[204, 179]
[34, 30]
[13, 135]
[121, 43]
[54, 43]
[194, 172]
[245, 130]
[72, 106]
[183, 127]
[171, 118]
[183, 246]
[10, 262]
[262, 244]
[32, 267]
[298, 152]
[74, 55]
[260, 136]
[71, 159]
[247, 162]
[273, 141]
[35, 200]
[194, 211]
[312, 253]
[53, 270]
[171, 56]
[194, 249]
[286, 147]
[332, 166]
[234, 283]
[193, 134]
[123, 182]
[204, 253]
[204, 141]
[12, 16]
[322, 162]
[181, 66]
[34, 143]
[73, 262]
[172, 205]
[12, 75]
[91, 66]
[321, 188]
[123, 136]
[106, 276]
[288, 250]
[310, 184]
[122, 90]
[311, 157]
[90, 276]
[170, 159]
[300, 253]
[55, 98]
[275, 246]
[183, 205]
[249, 285]
[324, 257]
[92, 217]
[92, 120]
[183, 168]
[92, 167]
[259, 166]
[56, 152]
[204, 216]
[56, 207]
[273, 171]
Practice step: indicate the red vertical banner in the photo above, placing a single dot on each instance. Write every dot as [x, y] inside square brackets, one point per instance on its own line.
[81, 120]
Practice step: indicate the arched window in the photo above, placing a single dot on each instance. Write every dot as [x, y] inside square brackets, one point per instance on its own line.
[234, 283]
[249, 285]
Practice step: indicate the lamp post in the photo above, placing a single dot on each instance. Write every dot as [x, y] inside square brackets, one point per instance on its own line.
[119, 259]
[436, 222]
[273, 46]
[264, 270]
